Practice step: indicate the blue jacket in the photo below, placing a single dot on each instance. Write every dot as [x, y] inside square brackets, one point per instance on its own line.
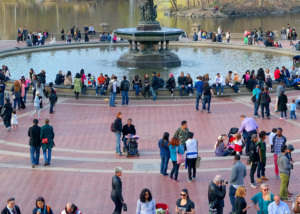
[199, 86]
[173, 152]
[164, 150]
[287, 73]
[256, 92]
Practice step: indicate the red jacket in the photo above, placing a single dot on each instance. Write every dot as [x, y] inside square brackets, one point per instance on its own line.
[277, 74]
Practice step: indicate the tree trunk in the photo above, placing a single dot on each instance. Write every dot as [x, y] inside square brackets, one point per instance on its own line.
[174, 5]
[261, 3]
[200, 4]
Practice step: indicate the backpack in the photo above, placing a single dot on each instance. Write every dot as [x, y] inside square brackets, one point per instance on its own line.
[118, 90]
[126, 86]
[161, 82]
[112, 127]
[109, 87]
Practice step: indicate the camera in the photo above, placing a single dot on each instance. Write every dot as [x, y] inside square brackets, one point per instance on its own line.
[224, 182]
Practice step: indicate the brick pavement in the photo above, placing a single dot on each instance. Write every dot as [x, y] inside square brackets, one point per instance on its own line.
[84, 158]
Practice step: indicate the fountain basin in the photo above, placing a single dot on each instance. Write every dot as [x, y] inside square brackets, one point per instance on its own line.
[165, 34]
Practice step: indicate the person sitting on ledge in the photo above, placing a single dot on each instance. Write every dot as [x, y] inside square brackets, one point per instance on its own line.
[228, 81]
[220, 147]
[219, 83]
[182, 84]
[59, 78]
[171, 84]
[269, 42]
[195, 37]
[296, 82]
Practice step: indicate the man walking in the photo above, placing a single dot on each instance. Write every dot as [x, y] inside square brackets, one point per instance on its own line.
[251, 128]
[238, 174]
[264, 102]
[254, 159]
[125, 88]
[154, 85]
[256, 93]
[182, 134]
[47, 136]
[34, 134]
[199, 87]
[284, 169]
[278, 141]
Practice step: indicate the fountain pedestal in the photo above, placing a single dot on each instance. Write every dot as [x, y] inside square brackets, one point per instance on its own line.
[149, 38]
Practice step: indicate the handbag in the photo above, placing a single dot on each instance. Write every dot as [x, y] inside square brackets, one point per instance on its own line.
[125, 207]
[180, 158]
[13, 96]
[44, 140]
[198, 158]
[253, 99]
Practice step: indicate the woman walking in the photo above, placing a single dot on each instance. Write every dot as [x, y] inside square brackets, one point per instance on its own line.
[36, 105]
[117, 126]
[83, 80]
[16, 93]
[77, 85]
[116, 193]
[207, 92]
[47, 136]
[282, 101]
[240, 202]
[164, 153]
[6, 113]
[40, 88]
[185, 204]
[146, 204]
[34, 85]
[174, 150]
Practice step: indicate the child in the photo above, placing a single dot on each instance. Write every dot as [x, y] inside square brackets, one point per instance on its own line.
[14, 120]
[36, 104]
[271, 136]
[238, 143]
[261, 145]
[293, 106]
[292, 45]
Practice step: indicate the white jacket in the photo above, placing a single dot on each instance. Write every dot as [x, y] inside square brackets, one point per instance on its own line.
[221, 80]
[76, 212]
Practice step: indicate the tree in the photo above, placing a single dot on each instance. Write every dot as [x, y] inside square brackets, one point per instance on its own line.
[261, 3]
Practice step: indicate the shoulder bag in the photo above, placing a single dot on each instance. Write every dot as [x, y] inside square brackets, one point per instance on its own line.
[180, 157]
[198, 158]
[44, 140]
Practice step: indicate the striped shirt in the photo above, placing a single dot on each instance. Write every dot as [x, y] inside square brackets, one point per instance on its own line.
[279, 141]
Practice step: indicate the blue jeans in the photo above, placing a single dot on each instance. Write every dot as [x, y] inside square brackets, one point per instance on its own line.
[282, 114]
[47, 159]
[285, 80]
[97, 88]
[221, 86]
[102, 90]
[174, 170]
[206, 99]
[51, 106]
[293, 113]
[164, 164]
[261, 83]
[180, 89]
[17, 100]
[137, 89]
[124, 142]
[256, 107]
[153, 93]
[235, 88]
[112, 98]
[125, 97]
[35, 154]
[198, 97]
[2, 99]
[261, 169]
[26, 90]
[262, 107]
[232, 191]
[118, 141]
[189, 89]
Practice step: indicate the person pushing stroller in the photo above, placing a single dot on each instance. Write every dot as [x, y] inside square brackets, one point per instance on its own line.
[127, 130]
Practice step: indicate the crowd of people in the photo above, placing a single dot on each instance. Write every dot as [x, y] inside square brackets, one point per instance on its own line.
[182, 149]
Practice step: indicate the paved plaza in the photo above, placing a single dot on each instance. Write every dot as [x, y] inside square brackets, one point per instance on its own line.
[84, 158]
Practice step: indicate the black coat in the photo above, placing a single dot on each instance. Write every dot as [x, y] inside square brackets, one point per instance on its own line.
[171, 83]
[6, 211]
[264, 98]
[216, 194]
[155, 82]
[282, 101]
[240, 204]
[116, 192]
[128, 130]
[6, 116]
[118, 125]
[59, 79]
[34, 133]
[254, 156]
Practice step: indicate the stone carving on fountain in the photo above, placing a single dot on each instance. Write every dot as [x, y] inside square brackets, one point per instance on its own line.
[149, 43]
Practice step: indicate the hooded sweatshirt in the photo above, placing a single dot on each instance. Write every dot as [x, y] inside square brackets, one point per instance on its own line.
[284, 164]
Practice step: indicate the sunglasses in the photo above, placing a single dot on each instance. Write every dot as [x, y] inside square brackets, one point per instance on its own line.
[265, 189]
[183, 194]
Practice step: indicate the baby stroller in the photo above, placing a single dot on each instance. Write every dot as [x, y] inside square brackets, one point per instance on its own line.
[230, 146]
[162, 208]
[132, 146]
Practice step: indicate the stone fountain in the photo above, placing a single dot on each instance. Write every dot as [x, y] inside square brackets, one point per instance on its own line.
[149, 42]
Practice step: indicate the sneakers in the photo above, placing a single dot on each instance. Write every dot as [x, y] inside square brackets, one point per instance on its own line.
[253, 186]
[280, 118]
[264, 178]
[172, 95]
[277, 176]
[288, 199]
[190, 181]
[208, 112]
[239, 91]
[258, 180]
[256, 116]
[218, 93]
[221, 94]
[286, 118]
